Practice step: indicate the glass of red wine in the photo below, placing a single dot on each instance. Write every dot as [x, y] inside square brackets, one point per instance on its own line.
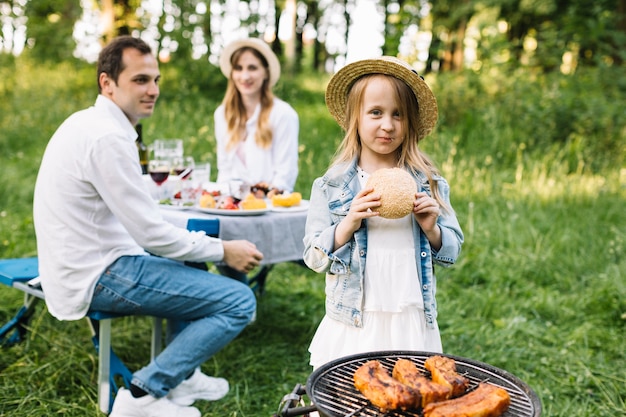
[183, 165]
[183, 168]
[159, 170]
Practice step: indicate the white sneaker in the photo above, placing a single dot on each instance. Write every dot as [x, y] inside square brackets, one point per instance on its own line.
[199, 387]
[126, 405]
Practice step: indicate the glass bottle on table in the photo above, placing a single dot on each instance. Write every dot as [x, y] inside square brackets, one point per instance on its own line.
[142, 150]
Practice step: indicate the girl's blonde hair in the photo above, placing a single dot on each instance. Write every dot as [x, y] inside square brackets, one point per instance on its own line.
[235, 112]
[408, 154]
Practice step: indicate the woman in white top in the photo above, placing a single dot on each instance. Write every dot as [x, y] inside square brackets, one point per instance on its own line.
[256, 132]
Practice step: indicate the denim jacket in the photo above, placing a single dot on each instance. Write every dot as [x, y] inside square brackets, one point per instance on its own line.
[331, 196]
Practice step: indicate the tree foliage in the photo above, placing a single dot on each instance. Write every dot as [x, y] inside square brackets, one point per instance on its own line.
[540, 34]
[588, 29]
[50, 26]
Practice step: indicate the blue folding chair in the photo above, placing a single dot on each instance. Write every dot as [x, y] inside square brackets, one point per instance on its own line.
[22, 274]
[16, 273]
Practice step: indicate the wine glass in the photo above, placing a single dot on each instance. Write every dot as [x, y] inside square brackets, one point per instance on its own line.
[183, 167]
[183, 164]
[159, 170]
[167, 148]
[239, 189]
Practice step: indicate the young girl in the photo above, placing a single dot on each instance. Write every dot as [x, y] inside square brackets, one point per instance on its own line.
[256, 132]
[380, 282]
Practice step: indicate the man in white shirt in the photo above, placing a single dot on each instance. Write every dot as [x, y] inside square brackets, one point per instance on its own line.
[103, 244]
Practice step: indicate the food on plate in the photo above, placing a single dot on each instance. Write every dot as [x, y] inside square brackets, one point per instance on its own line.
[443, 371]
[485, 401]
[264, 190]
[175, 202]
[252, 203]
[406, 372]
[375, 383]
[260, 189]
[214, 193]
[207, 201]
[397, 192]
[287, 200]
[227, 203]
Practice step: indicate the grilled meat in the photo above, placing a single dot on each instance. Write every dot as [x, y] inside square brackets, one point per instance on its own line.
[382, 390]
[407, 373]
[485, 401]
[443, 371]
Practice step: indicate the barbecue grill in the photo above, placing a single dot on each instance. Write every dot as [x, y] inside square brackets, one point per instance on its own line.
[331, 389]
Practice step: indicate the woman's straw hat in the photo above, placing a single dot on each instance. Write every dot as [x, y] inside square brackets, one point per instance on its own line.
[258, 44]
[341, 83]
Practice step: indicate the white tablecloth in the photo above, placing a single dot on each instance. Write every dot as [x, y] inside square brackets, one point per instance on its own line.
[278, 235]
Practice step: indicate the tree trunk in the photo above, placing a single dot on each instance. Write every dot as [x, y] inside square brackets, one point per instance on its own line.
[313, 17]
[446, 55]
[206, 27]
[621, 28]
[276, 46]
[458, 46]
[385, 48]
[107, 20]
[290, 44]
[346, 16]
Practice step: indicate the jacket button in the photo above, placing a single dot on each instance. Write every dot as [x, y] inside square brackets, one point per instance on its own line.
[423, 254]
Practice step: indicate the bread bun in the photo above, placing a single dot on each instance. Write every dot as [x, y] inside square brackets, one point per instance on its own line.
[397, 192]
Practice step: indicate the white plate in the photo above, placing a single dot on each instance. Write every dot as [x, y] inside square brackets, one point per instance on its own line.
[239, 212]
[303, 206]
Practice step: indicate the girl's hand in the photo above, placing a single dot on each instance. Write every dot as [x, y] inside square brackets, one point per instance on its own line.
[426, 211]
[363, 206]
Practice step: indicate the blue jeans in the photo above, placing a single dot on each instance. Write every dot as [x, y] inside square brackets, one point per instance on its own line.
[207, 311]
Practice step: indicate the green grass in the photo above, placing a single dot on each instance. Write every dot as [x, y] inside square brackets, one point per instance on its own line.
[539, 185]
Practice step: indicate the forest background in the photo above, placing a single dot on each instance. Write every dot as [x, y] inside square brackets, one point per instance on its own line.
[531, 136]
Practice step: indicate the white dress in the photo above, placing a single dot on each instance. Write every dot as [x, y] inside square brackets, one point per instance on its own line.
[393, 311]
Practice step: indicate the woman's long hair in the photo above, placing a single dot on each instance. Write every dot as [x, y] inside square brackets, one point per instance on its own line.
[235, 112]
[408, 154]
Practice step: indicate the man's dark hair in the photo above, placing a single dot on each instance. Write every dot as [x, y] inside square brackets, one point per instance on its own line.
[110, 58]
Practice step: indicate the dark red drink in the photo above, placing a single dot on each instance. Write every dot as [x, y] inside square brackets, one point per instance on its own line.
[179, 171]
[159, 176]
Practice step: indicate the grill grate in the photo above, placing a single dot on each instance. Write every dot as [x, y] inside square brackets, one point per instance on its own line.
[331, 387]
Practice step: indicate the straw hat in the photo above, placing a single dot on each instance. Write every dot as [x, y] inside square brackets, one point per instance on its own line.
[341, 83]
[258, 44]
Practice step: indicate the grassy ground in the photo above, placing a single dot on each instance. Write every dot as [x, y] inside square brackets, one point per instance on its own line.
[539, 185]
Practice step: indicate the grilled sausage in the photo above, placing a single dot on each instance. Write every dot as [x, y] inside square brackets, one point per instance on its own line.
[407, 373]
[443, 371]
[375, 383]
[485, 401]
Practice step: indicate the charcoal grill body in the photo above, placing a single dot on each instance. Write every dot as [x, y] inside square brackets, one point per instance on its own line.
[331, 387]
